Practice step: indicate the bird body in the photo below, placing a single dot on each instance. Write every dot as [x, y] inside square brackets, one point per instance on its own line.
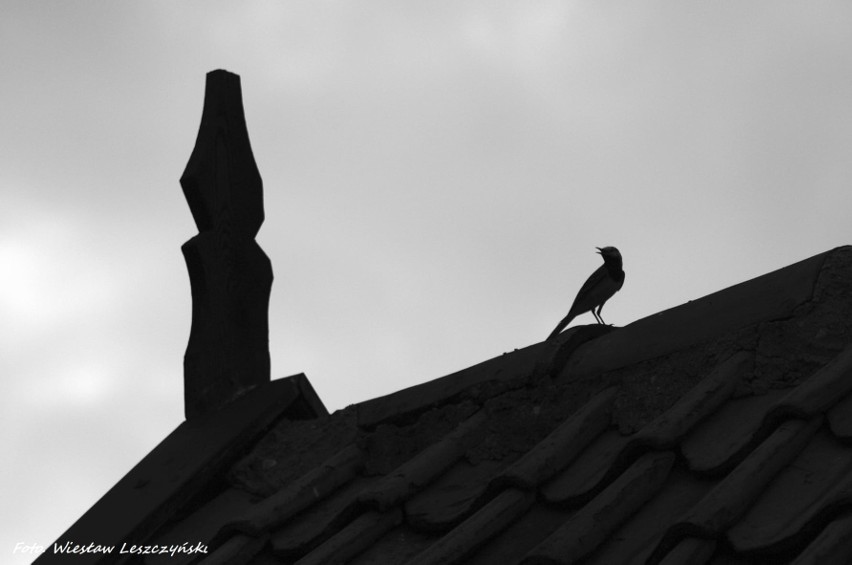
[598, 288]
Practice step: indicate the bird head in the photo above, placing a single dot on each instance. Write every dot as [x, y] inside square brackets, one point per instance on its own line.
[610, 254]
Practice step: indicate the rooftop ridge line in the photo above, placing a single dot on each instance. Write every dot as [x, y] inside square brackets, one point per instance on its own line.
[511, 370]
[771, 296]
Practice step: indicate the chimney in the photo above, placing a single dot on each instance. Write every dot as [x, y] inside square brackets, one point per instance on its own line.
[229, 274]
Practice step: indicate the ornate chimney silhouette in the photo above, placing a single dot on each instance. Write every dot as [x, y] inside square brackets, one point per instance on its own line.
[230, 275]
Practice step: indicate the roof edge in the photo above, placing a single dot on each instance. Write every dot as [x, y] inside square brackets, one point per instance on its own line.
[507, 371]
[771, 296]
[180, 467]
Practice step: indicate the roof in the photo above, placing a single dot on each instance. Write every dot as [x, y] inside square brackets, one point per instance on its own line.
[719, 431]
[715, 432]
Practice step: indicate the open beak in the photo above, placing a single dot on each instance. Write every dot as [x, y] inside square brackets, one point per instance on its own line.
[599, 250]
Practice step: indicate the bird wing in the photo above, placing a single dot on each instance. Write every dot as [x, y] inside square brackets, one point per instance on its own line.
[587, 296]
[582, 303]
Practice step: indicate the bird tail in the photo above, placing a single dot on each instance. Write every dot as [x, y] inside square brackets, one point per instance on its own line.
[561, 325]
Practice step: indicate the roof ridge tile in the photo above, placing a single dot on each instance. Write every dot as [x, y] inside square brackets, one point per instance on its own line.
[770, 296]
[509, 370]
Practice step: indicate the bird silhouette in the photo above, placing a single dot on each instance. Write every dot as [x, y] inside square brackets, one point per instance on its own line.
[598, 288]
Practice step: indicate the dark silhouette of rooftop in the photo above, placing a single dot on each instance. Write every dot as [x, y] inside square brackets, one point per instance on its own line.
[714, 432]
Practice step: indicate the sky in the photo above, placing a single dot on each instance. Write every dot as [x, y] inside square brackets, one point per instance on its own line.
[436, 179]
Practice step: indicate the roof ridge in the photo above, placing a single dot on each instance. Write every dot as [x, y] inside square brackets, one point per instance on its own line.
[770, 296]
[512, 370]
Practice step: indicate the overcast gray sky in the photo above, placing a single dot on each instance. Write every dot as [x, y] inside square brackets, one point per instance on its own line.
[436, 175]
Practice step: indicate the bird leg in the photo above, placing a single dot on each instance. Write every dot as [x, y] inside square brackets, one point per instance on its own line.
[598, 314]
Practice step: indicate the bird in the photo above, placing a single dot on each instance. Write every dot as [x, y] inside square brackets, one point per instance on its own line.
[598, 288]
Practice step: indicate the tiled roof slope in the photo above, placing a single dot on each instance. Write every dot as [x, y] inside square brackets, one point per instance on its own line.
[182, 469]
[716, 432]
